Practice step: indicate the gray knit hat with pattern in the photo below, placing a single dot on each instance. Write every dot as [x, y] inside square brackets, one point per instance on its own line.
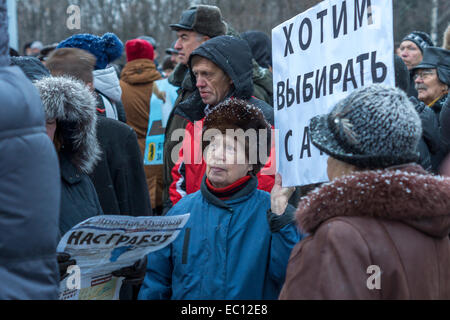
[374, 127]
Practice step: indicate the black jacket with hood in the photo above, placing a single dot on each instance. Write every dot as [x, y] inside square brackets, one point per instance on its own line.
[29, 187]
[222, 51]
[73, 106]
[233, 56]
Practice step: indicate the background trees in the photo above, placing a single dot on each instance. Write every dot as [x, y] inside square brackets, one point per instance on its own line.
[45, 20]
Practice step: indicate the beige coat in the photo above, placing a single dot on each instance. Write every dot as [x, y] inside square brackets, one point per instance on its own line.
[137, 81]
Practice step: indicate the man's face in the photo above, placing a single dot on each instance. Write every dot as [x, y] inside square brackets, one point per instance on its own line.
[174, 58]
[212, 83]
[410, 54]
[187, 42]
[428, 85]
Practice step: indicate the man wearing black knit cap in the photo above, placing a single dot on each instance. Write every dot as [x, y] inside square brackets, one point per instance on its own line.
[411, 52]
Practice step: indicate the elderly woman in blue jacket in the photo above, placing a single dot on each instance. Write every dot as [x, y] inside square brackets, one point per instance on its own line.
[238, 239]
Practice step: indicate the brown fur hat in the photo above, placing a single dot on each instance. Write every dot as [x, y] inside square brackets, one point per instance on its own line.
[237, 114]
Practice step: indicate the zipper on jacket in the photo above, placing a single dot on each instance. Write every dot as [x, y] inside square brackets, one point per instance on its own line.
[187, 236]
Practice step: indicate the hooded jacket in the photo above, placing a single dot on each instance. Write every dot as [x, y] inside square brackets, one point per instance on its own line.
[394, 221]
[137, 79]
[229, 249]
[106, 83]
[73, 106]
[233, 56]
[30, 189]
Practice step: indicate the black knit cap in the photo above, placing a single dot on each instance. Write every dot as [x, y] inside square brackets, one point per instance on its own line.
[420, 38]
[374, 127]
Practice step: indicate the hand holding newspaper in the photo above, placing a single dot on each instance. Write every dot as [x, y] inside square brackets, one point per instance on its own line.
[103, 244]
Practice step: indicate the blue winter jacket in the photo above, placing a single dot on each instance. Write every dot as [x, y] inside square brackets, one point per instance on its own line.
[29, 193]
[229, 250]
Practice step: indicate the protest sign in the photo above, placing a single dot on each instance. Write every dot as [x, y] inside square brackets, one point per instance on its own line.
[159, 115]
[103, 244]
[319, 57]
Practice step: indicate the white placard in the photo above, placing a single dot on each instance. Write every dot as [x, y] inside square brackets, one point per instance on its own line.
[319, 57]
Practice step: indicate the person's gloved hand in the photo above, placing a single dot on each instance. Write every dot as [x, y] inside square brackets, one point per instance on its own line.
[64, 262]
[134, 274]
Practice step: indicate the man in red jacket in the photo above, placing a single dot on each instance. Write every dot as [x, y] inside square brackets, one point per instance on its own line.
[221, 68]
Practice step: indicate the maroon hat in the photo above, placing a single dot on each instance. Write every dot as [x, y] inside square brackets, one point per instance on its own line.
[139, 49]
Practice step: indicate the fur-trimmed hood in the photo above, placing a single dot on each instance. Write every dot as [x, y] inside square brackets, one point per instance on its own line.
[407, 194]
[73, 105]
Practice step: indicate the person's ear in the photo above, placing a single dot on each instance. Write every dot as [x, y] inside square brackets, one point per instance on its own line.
[205, 38]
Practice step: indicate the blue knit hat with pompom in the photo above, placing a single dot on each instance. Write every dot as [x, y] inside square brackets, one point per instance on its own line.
[106, 48]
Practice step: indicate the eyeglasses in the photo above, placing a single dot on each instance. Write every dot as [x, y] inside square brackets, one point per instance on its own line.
[424, 74]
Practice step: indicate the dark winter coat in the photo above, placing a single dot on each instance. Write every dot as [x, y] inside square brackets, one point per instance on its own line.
[262, 84]
[29, 189]
[73, 106]
[187, 174]
[79, 200]
[444, 119]
[233, 249]
[436, 159]
[397, 220]
[119, 177]
[429, 144]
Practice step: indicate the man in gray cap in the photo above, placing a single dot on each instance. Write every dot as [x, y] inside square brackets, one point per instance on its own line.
[432, 77]
[197, 25]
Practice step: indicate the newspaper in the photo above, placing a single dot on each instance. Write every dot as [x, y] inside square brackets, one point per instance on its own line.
[103, 244]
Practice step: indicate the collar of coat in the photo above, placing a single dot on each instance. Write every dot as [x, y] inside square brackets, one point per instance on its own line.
[239, 196]
[405, 193]
[140, 71]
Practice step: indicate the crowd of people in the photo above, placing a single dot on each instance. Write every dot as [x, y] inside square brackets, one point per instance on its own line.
[74, 129]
